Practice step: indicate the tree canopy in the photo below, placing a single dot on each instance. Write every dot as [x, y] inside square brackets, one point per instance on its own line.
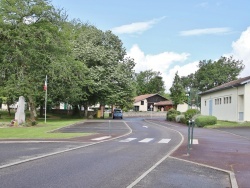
[84, 65]
[149, 81]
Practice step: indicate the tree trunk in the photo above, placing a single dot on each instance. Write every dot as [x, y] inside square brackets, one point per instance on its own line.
[41, 110]
[32, 105]
[85, 110]
[8, 107]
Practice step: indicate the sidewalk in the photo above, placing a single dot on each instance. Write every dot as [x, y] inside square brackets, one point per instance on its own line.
[217, 149]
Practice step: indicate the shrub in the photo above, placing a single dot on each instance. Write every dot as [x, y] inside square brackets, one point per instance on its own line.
[189, 114]
[180, 118]
[171, 114]
[201, 120]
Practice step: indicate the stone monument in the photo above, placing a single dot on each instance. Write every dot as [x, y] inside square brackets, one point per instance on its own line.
[20, 115]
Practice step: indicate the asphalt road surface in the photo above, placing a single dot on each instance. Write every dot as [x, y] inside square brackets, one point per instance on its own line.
[139, 159]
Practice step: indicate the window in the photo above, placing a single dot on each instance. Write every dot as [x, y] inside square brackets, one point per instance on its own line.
[205, 103]
[230, 99]
[142, 102]
[220, 100]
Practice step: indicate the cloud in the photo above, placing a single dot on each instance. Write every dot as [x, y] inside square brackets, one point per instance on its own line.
[207, 31]
[161, 62]
[241, 51]
[137, 27]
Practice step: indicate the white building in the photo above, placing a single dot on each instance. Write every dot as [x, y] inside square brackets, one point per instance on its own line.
[230, 101]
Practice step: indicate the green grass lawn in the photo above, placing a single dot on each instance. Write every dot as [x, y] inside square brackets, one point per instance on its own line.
[40, 131]
[228, 124]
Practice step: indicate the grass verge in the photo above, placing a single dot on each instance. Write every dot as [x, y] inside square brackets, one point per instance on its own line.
[228, 124]
[41, 131]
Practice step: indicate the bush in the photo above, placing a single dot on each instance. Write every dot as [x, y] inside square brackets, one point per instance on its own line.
[202, 121]
[190, 113]
[180, 118]
[171, 114]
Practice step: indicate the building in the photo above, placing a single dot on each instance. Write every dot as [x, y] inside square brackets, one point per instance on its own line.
[229, 101]
[152, 102]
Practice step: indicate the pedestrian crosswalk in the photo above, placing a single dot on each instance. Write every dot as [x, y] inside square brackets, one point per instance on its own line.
[151, 140]
[147, 140]
[143, 140]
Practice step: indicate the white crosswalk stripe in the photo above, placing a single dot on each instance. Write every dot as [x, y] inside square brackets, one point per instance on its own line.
[164, 141]
[128, 139]
[195, 141]
[146, 140]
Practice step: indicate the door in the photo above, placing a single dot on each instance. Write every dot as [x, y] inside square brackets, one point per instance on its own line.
[210, 107]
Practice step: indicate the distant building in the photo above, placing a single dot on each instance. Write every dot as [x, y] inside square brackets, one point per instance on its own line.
[152, 102]
[229, 101]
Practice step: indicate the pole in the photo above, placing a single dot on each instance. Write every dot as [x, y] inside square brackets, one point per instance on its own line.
[192, 132]
[188, 146]
[45, 109]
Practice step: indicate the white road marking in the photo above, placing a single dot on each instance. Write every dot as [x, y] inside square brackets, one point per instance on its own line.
[145, 126]
[101, 138]
[146, 140]
[195, 141]
[128, 140]
[164, 141]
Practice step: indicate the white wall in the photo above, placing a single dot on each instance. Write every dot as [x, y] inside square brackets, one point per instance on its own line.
[247, 103]
[182, 107]
[223, 111]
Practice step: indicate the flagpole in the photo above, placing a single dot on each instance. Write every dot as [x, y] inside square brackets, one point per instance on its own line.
[45, 109]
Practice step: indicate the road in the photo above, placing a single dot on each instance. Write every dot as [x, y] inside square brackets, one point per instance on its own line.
[139, 159]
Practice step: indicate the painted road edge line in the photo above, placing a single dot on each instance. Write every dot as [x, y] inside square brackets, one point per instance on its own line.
[63, 151]
[160, 161]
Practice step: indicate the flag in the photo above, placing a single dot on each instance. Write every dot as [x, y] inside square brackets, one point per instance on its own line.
[45, 85]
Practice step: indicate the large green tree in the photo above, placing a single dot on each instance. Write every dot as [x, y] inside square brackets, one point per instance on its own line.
[149, 81]
[177, 91]
[31, 40]
[214, 73]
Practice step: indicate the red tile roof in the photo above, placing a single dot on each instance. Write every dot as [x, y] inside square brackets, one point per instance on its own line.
[164, 103]
[142, 97]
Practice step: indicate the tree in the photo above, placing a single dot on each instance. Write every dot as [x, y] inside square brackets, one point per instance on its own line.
[31, 39]
[149, 81]
[103, 54]
[177, 91]
[214, 73]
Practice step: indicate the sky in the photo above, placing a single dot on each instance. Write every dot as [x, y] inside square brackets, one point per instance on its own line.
[171, 35]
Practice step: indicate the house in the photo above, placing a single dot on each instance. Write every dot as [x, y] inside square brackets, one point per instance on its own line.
[229, 101]
[152, 102]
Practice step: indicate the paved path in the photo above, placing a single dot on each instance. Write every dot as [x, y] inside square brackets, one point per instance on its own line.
[217, 148]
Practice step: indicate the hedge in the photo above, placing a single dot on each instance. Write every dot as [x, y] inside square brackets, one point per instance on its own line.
[202, 120]
[171, 114]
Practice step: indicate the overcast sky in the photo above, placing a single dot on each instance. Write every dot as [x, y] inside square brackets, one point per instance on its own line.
[171, 36]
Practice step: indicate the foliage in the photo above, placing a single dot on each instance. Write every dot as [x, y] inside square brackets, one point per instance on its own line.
[190, 113]
[84, 65]
[202, 120]
[177, 91]
[149, 81]
[171, 114]
[180, 118]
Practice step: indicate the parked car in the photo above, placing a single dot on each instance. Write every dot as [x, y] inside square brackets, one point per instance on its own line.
[117, 113]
